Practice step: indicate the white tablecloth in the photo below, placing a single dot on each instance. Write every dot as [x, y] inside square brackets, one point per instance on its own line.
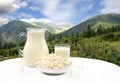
[83, 70]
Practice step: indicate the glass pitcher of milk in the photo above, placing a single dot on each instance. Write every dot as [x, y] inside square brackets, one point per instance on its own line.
[35, 47]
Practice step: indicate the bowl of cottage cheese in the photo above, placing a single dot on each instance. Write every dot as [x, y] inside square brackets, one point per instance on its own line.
[53, 64]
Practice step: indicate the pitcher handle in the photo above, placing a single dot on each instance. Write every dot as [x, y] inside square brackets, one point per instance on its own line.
[20, 36]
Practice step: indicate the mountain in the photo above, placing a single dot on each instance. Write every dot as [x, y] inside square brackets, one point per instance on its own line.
[105, 20]
[10, 31]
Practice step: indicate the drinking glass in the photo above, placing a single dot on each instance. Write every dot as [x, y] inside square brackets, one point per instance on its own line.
[62, 50]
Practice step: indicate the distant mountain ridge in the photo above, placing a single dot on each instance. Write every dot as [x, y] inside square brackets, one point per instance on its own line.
[105, 20]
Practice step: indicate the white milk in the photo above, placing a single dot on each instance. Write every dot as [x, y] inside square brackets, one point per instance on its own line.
[35, 47]
[62, 51]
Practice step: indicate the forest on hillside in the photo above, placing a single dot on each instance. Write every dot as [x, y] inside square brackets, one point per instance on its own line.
[103, 44]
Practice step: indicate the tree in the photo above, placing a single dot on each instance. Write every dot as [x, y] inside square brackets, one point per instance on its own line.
[84, 34]
[113, 28]
[89, 32]
[60, 36]
[66, 35]
[100, 30]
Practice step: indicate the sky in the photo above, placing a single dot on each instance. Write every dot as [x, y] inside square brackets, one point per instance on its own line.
[63, 13]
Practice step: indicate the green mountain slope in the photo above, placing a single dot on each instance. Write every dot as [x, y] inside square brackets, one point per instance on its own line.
[105, 20]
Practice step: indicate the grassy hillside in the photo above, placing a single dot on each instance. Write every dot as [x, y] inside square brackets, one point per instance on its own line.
[105, 20]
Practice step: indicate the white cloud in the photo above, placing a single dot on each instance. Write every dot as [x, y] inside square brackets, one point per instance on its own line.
[110, 6]
[24, 4]
[55, 10]
[3, 21]
[34, 8]
[64, 12]
[59, 11]
[7, 6]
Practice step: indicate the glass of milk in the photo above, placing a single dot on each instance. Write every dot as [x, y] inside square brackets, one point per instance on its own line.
[62, 50]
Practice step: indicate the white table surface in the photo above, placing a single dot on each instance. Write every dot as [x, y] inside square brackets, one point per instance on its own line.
[83, 70]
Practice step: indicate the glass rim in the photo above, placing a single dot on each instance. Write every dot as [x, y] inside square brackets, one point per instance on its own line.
[62, 45]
